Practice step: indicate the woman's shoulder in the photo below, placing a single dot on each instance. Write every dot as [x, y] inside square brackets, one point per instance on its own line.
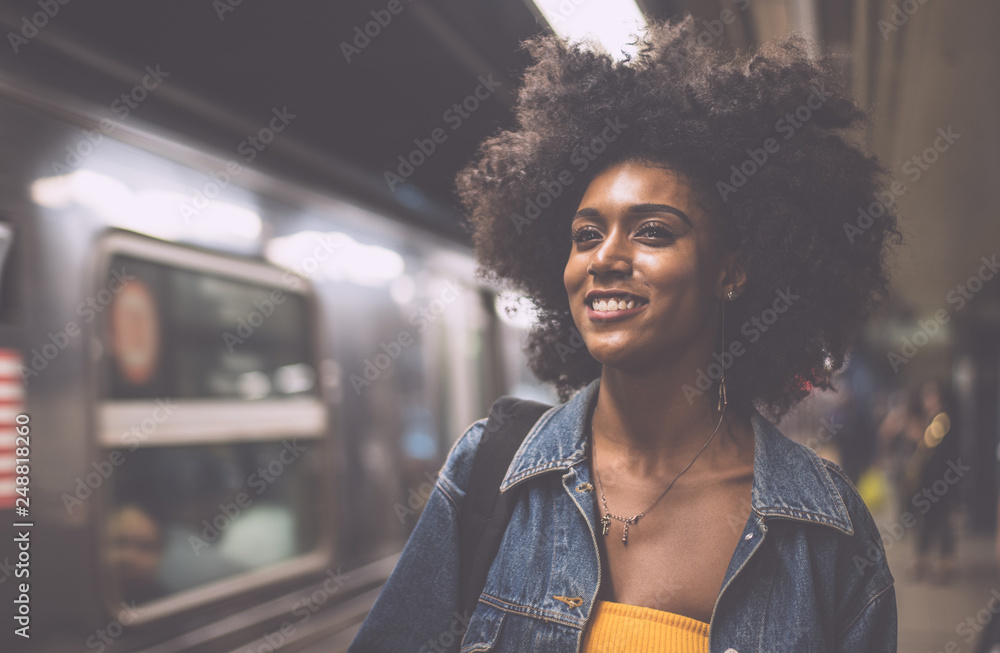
[862, 522]
[804, 477]
[825, 494]
[863, 551]
[514, 421]
[862, 565]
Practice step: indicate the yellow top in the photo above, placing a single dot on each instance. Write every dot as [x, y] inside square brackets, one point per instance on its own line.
[634, 629]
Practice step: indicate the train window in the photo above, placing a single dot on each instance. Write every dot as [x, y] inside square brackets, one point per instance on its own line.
[227, 339]
[211, 417]
[183, 517]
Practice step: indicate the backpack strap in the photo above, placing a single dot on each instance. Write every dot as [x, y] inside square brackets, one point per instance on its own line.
[484, 513]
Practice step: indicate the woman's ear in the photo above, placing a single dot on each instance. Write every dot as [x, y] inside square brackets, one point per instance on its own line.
[732, 276]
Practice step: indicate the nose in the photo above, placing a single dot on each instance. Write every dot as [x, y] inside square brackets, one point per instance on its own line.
[612, 257]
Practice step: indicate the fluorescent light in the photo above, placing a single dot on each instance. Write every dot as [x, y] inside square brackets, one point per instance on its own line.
[222, 220]
[335, 256]
[611, 22]
[152, 211]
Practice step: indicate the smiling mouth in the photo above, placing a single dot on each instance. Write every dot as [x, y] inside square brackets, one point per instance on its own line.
[606, 308]
[613, 304]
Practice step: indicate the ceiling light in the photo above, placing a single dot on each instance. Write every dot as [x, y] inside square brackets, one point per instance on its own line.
[611, 22]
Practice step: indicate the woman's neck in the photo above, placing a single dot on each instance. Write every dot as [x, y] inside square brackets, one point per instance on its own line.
[650, 419]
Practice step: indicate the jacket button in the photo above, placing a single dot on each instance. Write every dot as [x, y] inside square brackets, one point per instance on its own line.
[731, 650]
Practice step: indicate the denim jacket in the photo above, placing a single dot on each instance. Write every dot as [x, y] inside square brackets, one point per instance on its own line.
[809, 573]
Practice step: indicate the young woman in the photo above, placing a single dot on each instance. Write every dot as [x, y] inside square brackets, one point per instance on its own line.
[688, 228]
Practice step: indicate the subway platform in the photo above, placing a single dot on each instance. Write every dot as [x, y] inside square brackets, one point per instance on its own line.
[942, 618]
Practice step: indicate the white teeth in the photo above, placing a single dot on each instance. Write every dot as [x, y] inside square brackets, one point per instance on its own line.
[610, 305]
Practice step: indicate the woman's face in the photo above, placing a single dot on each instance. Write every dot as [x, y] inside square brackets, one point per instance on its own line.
[642, 245]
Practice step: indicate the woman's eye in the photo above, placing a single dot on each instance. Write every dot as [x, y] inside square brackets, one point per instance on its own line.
[655, 231]
[583, 234]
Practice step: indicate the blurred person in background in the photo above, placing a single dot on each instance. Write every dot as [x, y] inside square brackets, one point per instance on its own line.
[135, 552]
[898, 435]
[927, 479]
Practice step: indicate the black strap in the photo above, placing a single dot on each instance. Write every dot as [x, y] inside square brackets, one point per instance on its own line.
[485, 513]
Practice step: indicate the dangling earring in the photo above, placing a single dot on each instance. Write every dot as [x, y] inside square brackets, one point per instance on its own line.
[722, 380]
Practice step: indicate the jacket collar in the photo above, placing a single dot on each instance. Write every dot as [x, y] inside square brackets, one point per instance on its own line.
[789, 481]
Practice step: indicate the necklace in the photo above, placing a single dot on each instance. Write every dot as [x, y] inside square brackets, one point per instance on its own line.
[608, 515]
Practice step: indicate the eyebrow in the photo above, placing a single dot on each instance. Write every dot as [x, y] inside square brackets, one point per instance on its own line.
[639, 208]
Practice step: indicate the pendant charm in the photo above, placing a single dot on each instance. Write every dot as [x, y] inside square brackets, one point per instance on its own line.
[625, 533]
[605, 524]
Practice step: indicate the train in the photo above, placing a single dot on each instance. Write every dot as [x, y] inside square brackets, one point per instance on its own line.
[224, 395]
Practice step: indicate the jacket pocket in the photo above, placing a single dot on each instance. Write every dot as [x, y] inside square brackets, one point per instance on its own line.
[483, 630]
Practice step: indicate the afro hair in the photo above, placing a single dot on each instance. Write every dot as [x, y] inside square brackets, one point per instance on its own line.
[769, 143]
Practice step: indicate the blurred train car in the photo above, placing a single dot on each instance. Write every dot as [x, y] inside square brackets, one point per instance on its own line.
[239, 389]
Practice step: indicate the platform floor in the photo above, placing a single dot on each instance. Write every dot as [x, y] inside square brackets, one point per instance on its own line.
[935, 618]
